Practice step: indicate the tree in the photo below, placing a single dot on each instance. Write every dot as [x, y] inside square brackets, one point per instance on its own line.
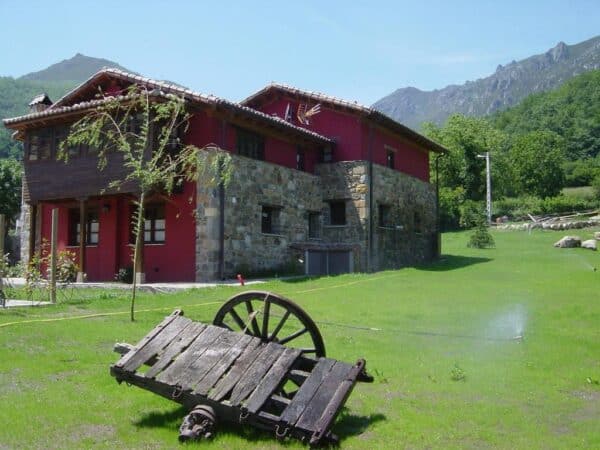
[461, 172]
[538, 158]
[465, 138]
[143, 127]
[10, 188]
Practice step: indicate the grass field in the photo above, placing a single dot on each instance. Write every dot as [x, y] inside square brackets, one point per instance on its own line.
[586, 192]
[438, 339]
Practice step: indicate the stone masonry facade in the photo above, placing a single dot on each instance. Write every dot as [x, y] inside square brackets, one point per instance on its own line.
[408, 236]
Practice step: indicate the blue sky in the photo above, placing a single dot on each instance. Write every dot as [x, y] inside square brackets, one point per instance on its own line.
[355, 50]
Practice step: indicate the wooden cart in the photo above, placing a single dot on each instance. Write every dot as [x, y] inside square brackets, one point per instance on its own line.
[245, 375]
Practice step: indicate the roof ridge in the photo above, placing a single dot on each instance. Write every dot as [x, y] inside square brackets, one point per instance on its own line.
[193, 95]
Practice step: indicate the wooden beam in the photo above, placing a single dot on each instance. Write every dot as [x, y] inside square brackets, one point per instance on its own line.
[81, 275]
[53, 254]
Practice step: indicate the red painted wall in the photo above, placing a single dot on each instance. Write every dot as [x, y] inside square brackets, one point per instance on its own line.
[351, 136]
[204, 130]
[175, 260]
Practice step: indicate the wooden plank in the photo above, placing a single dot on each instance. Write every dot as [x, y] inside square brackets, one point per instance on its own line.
[336, 402]
[160, 341]
[148, 338]
[272, 379]
[172, 374]
[255, 372]
[205, 362]
[205, 385]
[306, 392]
[177, 345]
[318, 404]
[226, 384]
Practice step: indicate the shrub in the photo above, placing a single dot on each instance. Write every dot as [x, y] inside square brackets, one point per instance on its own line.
[596, 187]
[124, 275]
[481, 238]
[518, 208]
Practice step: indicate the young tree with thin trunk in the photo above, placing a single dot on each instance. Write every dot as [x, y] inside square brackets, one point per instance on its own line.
[143, 127]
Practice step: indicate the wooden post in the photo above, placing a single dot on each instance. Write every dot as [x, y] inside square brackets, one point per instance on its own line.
[53, 254]
[138, 270]
[2, 232]
[82, 240]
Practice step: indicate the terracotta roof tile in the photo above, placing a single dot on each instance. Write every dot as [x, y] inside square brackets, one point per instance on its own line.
[373, 114]
[61, 106]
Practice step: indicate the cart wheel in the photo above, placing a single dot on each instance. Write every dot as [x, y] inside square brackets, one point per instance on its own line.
[272, 318]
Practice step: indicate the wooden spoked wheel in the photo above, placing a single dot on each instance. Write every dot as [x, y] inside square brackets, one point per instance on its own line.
[272, 318]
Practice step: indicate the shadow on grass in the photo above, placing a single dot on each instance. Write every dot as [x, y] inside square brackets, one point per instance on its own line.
[452, 262]
[345, 426]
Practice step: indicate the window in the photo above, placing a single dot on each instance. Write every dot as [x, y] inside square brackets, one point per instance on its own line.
[40, 145]
[326, 155]
[314, 222]
[300, 159]
[417, 222]
[389, 162]
[250, 144]
[385, 216]
[92, 224]
[270, 219]
[154, 224]
[337, 212]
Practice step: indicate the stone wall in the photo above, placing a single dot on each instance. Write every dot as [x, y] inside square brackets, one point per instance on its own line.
[409, 236]
[255, 184]
[347, 181]
[24, 223]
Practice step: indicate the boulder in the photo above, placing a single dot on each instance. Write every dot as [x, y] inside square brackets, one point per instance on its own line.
[597, 235]
[590, 244]
[568, 242]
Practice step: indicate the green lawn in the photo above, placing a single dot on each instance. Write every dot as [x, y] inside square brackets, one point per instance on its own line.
[586, 192]
[438, 339]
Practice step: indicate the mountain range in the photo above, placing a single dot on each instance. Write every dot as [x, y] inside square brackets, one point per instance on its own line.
[506, 87]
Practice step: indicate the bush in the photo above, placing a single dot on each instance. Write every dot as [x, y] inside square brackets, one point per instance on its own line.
[580, 172]
[518, 208]
[481, 238]
[124, 275]
[596, 187]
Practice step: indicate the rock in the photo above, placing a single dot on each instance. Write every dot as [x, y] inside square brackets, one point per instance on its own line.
[597, 235]
[590, 244]
[568, 242]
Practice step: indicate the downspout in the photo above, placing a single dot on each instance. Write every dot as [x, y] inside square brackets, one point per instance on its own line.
[370, 201]
[222, 209]
[437, 207]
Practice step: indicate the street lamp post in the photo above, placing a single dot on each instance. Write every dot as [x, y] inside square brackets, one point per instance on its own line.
[488, 185]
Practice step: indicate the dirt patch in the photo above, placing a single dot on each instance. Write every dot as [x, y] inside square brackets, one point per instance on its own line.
[587, 395]
[97, 433]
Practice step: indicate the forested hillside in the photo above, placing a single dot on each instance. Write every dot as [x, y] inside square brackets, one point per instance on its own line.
[15, 94]
[572, 111]
[549, 141]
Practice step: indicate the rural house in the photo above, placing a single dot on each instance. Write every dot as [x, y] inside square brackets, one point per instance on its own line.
[320, 184]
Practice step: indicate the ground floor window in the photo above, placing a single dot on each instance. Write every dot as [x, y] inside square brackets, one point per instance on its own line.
[314, 222]
[154, 224]
[270, 219]
[92, 225]
[337, 212]
[385, 215]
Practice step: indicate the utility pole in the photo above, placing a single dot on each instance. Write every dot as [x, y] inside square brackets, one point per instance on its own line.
[488, 185]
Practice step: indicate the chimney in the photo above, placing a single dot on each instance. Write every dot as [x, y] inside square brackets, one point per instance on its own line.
[40, 103]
